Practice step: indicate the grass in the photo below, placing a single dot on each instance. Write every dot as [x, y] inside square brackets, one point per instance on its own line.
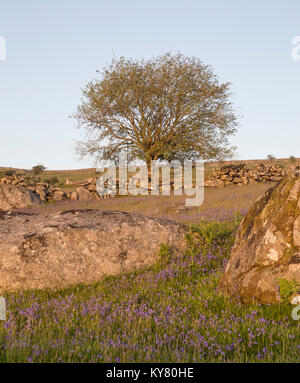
[219, 204]
[170, 312]
[83, 174]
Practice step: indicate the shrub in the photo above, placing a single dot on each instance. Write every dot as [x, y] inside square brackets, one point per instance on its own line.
[9, 172]
[38, 169]
[271, 157]
[52, 181]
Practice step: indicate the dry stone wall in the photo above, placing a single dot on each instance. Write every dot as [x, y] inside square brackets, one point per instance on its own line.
[86, 190]
[241, 175]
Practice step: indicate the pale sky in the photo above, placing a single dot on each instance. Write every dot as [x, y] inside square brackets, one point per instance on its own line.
[53, 48]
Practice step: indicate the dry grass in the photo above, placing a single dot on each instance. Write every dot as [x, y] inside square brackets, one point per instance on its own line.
[219, 203]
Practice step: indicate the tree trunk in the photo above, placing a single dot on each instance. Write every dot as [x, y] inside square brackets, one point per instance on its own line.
[149, 175]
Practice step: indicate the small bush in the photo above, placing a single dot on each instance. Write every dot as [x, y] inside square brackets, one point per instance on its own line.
[271, 157]
[9, 172]
[38, 169]
[52, 181]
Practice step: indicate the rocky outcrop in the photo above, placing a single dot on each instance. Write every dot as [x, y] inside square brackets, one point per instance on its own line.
[241, 175]
[267, 245]
[17, 197]
[79, 246]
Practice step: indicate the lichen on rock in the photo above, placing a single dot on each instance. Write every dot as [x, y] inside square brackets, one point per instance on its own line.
[79, 246]
[267, 244]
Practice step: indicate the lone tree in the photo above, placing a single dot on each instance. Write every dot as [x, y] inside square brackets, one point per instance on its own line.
[271, 157]
[168, 107]
[38, 169]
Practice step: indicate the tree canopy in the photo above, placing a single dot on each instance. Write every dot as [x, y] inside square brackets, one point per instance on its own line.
[168, 107]
[38, 169]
